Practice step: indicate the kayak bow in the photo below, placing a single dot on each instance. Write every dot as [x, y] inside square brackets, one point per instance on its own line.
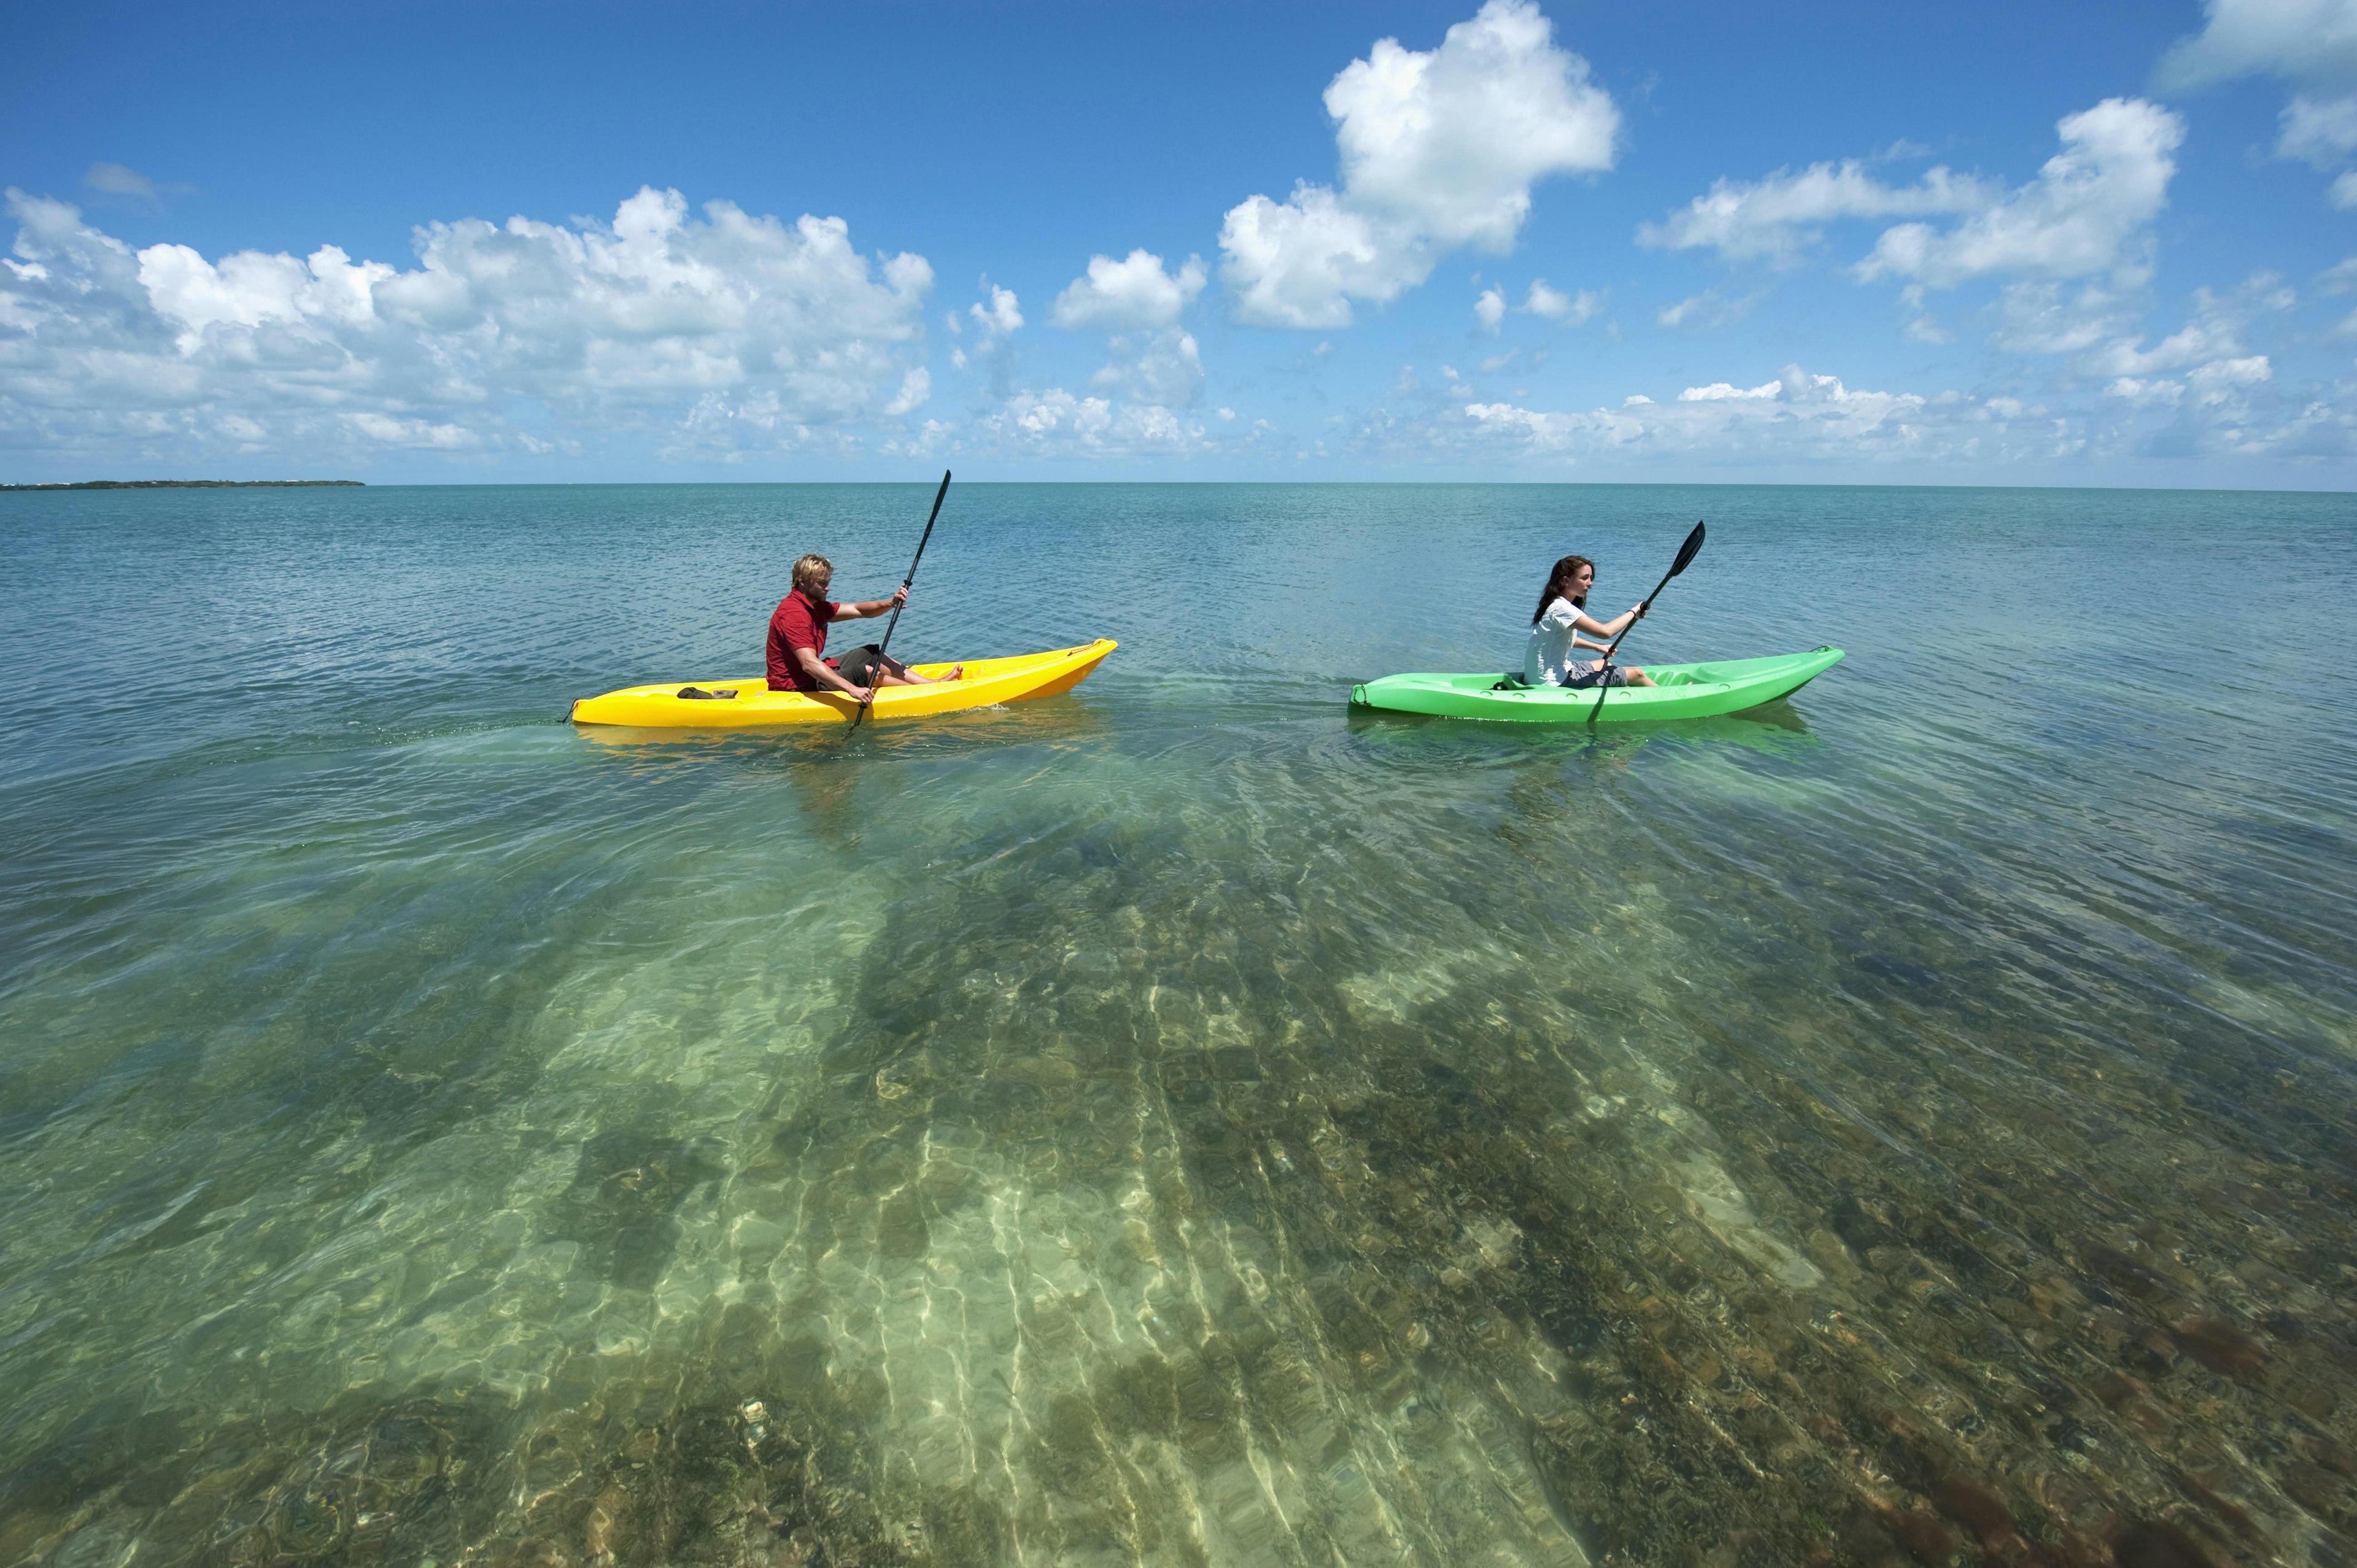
[1682, 692]
[749, 703]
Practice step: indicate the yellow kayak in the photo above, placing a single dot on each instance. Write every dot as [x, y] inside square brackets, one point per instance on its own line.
[750, 704]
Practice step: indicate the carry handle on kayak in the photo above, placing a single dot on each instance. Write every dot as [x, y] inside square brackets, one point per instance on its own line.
[1686, 553]
[875, 670]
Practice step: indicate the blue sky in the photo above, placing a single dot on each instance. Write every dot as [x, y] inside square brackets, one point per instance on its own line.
[2003, 244]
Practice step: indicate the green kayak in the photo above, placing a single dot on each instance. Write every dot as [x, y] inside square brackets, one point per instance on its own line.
[1683, 691]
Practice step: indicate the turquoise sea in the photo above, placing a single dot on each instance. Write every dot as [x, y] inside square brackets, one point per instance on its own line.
[1183, 1122]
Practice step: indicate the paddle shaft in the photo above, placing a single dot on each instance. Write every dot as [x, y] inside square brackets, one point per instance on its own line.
[1686, 553]
[876, 671]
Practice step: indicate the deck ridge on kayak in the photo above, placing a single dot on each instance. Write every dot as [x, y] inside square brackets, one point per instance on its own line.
[1682, 692]
[749, 703]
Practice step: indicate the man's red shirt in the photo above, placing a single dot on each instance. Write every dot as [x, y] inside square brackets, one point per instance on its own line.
[800, 622]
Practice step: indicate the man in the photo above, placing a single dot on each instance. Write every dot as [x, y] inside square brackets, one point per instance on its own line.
[798, 641]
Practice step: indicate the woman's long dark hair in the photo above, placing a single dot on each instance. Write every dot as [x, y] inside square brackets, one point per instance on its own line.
[1559, 585]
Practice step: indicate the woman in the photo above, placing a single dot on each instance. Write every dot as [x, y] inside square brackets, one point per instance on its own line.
[1549, 659]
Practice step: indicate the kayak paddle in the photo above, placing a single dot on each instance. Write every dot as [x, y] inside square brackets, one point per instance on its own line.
[1686, 553]
[876, 671]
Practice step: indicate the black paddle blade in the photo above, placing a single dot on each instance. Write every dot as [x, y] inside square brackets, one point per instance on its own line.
[1688, 551]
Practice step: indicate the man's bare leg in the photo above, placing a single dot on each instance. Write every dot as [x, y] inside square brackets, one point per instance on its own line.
[896, 674]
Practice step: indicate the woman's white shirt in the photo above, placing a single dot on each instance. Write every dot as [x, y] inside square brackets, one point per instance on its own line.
[1549, 654]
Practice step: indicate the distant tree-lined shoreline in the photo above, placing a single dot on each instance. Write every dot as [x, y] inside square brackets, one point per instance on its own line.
[178, 484]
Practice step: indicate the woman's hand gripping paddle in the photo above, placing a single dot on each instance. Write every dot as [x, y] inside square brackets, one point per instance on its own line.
[1686, 553]
[876, 672]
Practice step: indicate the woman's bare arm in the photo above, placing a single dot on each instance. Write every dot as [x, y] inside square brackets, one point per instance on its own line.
[1613, 628]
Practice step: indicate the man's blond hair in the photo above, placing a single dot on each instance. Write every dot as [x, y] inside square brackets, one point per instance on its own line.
[810, 568]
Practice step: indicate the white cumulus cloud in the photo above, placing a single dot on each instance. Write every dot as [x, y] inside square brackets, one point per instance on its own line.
[1439, 149]
[2321, 132]
[1707, 309]
[1798, 417]
[2088, 212]
[2142, 391]
[1570, 309]
[2095, 325]
[2215, 334]
[1719, 391]
[2302, 40]
[249, 289]
[1150, 361]
[2225, 408]
[119, 179]
[1164, 369]
[915, 388]
[1134, 294]
[999, 316]
[2089, 203]
[1055, 424]
[1779, 217]
[2044, 317]
[658, 320]
[1540, 300]
[2312, 43]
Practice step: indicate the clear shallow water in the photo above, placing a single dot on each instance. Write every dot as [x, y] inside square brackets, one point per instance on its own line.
[1183, 1121]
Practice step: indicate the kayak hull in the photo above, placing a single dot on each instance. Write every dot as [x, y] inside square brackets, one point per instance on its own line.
[1685, 692]
[986, 682]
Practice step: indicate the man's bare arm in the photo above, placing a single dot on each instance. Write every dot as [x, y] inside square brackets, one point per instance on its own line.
[815, 668]
[868, 609]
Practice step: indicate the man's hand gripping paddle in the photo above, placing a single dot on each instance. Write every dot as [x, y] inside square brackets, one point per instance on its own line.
[876, 671]
[1686, 553]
